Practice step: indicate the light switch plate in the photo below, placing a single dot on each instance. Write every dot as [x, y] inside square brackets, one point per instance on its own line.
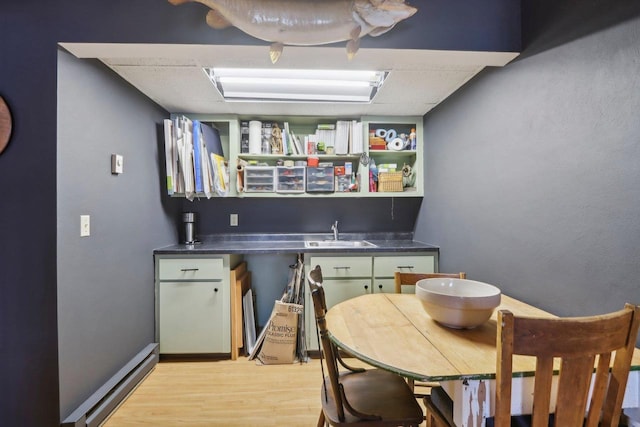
[85, 225]
[116, 164]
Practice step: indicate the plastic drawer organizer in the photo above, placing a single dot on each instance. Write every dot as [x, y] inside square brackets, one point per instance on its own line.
[290, 179]
[320, 179]
[259, 179]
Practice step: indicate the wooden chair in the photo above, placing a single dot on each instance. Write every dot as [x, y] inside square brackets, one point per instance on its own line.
[412, 278]
[595, 349]
[420, 389]
[370, 397]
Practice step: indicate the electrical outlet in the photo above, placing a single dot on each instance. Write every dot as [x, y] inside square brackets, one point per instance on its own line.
[233, 220]
[85, 225]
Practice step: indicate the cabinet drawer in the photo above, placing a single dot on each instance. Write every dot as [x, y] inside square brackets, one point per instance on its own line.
[385, 286]
[343, 267]
[190, 269]
[385, 266]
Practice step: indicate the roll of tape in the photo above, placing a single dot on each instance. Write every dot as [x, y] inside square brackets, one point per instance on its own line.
[255, 137]
[381, 133]
[396, 144]
[391, 135]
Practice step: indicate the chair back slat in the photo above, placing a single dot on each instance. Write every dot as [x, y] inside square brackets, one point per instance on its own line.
[573, 390]
[601, 381]
[544, 377]
[401, 278]
[585, 347]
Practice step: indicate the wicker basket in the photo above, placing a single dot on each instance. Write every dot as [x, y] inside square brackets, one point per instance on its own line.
[389, 182]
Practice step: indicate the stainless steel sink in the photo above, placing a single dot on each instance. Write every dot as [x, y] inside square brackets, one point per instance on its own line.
[338, 244]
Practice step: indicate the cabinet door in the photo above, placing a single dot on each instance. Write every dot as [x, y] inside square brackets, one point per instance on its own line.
[336, 291]
[385, 285]
[191, 317]
[384, 268]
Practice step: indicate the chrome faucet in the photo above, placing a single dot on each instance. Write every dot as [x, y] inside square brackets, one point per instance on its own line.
[334, 228]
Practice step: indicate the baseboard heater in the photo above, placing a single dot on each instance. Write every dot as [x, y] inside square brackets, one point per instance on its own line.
[93, 411]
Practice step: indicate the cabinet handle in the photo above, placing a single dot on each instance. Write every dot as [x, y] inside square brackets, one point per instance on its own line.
[404, 266]
[342, 268]
[215, 289]
[184, 270]
[380, 287]
[366, 287]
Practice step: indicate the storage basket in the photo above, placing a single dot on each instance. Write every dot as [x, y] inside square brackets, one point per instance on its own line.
[389, 182]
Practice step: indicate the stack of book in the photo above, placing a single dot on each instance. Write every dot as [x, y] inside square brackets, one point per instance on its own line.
[344, 137]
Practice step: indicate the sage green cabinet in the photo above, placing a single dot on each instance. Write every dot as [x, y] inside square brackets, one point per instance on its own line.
[192, 304]
[344, 276]
[347, 276]
[384, 268]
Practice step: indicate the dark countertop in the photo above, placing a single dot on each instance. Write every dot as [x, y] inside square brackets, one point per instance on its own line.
[294, 243]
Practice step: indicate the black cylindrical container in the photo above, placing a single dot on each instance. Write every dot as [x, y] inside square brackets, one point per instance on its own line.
[189, 220]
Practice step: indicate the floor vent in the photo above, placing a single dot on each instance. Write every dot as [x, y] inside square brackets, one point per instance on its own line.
[93, 411]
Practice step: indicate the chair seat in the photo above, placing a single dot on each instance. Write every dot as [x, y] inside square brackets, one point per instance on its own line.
[374, 392]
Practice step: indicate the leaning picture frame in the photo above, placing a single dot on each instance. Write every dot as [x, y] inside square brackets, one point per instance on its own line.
[249, 322]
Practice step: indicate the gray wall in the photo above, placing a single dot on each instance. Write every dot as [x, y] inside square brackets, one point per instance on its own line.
[306, 215]
[533, 178]
[105, 281]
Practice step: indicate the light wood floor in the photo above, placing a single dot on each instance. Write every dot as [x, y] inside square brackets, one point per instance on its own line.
[224, 393]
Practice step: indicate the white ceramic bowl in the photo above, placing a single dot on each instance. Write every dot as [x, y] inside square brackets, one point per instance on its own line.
[458, 303]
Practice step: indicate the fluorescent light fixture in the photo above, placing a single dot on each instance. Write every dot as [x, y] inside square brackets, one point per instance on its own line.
[280, 85]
